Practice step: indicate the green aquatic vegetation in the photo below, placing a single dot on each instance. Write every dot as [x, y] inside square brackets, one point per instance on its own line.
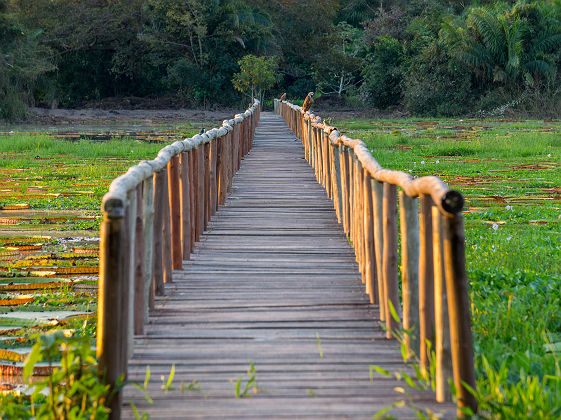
[509, 173]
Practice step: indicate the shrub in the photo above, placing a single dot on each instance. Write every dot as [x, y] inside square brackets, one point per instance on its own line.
[435, 84]
[383, 73]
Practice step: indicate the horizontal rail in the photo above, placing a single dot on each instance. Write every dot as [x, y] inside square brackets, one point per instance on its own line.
[152, 217]
[434, 303]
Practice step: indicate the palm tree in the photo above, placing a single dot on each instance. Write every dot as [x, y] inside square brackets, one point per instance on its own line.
[505, 46]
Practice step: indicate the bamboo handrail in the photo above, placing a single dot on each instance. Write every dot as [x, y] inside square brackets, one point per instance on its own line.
[152, 215]
[432, 247]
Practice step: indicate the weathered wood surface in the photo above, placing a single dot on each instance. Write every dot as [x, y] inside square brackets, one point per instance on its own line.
[272, 270]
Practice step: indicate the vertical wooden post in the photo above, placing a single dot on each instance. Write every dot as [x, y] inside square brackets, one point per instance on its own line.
[319, 141]
[350, 191]
[307, 142]
[166, 240]
[193, 183]
[442, 336]
[344, 188]
[200, 203]
[241, 140]
[213, 178]
[139, 264]
[409, 219]
[158, 260]
[339, 174]
[207, 164]
[185, 199]
[426, 280]
[459, 310]
[148, 213]
[130, 216]
[377, 204]
[112, 307]
[225, 173]
[220, 169]
[175, 213]
[359, 231]
[390, 257]
[313, 150]
[370, 256]
[326, 179]
[329, 166]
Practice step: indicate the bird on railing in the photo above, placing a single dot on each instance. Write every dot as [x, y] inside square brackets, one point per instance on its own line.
[283, 97]
[202, 131]
[308, 102]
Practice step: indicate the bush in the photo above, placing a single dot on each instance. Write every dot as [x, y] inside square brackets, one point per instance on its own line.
[383, 73]
[12, 105]
[435, 84]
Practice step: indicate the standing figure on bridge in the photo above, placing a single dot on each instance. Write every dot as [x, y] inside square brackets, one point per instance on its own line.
[308, 102]
[283, 97]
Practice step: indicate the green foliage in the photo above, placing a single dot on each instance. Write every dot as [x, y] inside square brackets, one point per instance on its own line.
[382, 73]
[506, 46]
[73, 391]
[243, 391]
[256, 76]
[437, 84]
[504, 170]
[337, 68]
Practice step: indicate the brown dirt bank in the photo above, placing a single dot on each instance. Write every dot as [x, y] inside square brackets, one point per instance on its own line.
[73, 116]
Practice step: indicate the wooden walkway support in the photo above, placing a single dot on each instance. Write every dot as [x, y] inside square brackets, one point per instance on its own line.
[273, 281]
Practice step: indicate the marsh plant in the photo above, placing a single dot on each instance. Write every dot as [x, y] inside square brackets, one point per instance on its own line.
[73, 390]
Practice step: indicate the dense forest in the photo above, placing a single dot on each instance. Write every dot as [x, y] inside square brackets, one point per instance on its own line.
[425, 57]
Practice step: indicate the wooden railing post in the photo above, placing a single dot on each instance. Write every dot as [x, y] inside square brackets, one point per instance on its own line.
[158, 260]
[112, 308]
[409, 219]
[139, 264]
[166, 220]
[336, 180]
[130, 217]
[175, 213]
[426, 280]
[459, 311]
[390, 257]
[345, 188]
[148, 222]
[200, 198]
[370, 256]
[213, 176]
[377, 204]
[329, 165]
[442, 333]
[207, 181]
[185, 199]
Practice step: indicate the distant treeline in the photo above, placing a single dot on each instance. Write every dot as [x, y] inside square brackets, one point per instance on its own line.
[428, 57]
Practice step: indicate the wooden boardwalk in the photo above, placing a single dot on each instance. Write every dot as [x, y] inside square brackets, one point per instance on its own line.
[272, 272]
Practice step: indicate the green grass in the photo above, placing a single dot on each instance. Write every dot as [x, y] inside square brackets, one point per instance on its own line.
[509, 173]
[49, 173]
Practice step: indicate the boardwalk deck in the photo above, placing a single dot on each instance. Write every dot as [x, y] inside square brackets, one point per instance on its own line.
[272, 272]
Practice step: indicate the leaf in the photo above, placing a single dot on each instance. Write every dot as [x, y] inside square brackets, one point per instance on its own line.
[147, 377]
[393, 312]
[32, 358]
[319, 346]
[379, 370]
[387, 409]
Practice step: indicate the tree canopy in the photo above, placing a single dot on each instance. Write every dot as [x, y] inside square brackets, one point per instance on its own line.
[196, 52]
